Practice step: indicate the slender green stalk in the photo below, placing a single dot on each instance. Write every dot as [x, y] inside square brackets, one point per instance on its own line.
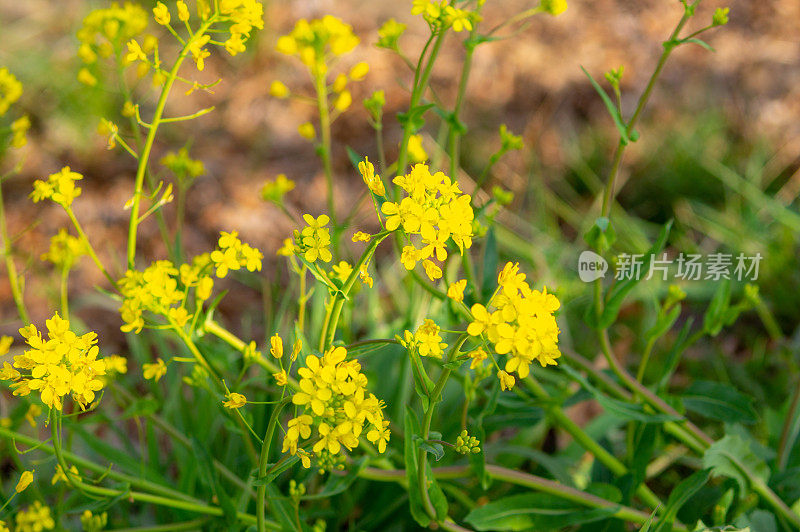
[151, 135]
[262, 465]
[433, 399]
[13, 278]
[521, 479]
[788, 423]
[421, 78]
[586, 441]
[89, 246]
[325, 144]
[63, 292]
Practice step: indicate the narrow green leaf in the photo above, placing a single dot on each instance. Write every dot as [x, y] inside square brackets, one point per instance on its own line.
[719, 401]
[731, 457]
[612, 108]
[533, 511]
[682, 493]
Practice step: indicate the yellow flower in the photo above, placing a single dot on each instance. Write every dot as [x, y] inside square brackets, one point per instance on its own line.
[233, 254]
[432, 270]
[296, 347]
[373, 181]
[59, 187]
[58, 365]
[33, 412]
[5, 344]
[161, 14]
[10, 90]
[154, 371]
[24, 481]
[279, 90]
[456, 290]
[34, 518]
[343, 101]
[276, 344]
[183, 11]
[415, 150]
[281, 378]
[116, 364]
[427, 340]
[341, 271]
[65, 250]
[275, 189]
[553, 7]
[60, 476]
[389, 33]
[506, 381]
[380, 436]
[198, 52]
[360, 236]
[477, 356]
[19, 130]
[307, 131]
[359, 70]
[235, 400]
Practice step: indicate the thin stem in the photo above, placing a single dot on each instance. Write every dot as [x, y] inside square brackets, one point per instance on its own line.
[325, 132]
[788, 423]
[148, 143]
[262, 465]
[13, 279]
[64, 297]
[89, 246]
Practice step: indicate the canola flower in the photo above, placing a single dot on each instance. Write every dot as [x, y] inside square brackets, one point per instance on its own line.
[336, 408]
[34, 518]
[65, 250]
[60, 364]
[435, 209]
[233, 254]
[25, 480]
[314, 241]
[59, 187]
[442, 14]
[317, 41]
[60, 476]
[522, 325]
[10, 90]
[234, 401]
[155, 370]
[426, 340]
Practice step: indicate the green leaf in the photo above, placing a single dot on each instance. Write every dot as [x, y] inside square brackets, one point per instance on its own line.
[413, 117]
[612, 108]
[682, 493]
[434, 448]
[719, 401]
[663, 323]
[282, 509]
[272, 474]
[601, 236]
[731, 457]
[617, 408]
[674, 356]
[412, 429]
[646, 525]
[699, 42]
[533, 511]
[209, 475]
[715, 316]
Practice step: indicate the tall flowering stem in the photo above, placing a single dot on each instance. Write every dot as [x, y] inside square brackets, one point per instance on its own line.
[13, 278]
[151, 135]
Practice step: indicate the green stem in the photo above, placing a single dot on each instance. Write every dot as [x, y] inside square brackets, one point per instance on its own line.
[148, 143]
[789, 422]
[420, 84]
[586, 441]
[64, 296]
[325, 146]
[262, 465]
[13, 279]
[433, 399]
[88, 245]
[608, 196]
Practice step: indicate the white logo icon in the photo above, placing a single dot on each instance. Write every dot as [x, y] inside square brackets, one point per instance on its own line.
[591, 266]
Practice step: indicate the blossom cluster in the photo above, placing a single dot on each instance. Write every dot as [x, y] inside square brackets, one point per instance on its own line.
[34, 518]
[426, 341]
[59, 187]
[65, 249]
[233, 254]
[63, 363]
[314, 241]
[317, 41]
[103, 33]
[522, 324]
[436, 210]
[336, 408]
[10, 90]
[442, 14]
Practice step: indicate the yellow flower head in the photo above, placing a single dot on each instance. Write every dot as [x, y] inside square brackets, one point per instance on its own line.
[235, 400]
[274, 190]
[314, 240]
[161, 14]
[281, 378]
[307, 131]
[65, 250]
[19, 130]
[233, 254]
[456, 290]
[10, 90]
[155, 370]
[506, 381]
[59, 475]
[24, 481]
[59, 187]
[553, 7]
[389, 33]
[333, 399]
[279, 90]
[276, 346]
[60, 364]
[34, 518]
[372, 180]
[318, 41]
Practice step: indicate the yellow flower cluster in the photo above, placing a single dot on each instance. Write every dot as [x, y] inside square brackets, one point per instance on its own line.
[275, 189]
[371, 179]
[522, 324]
[437, 211]
[104, 31]
[59, 187]
[35, 518]
[155, 289]
[19, 130]
[389, 33]
[65, 249]
[334, 399]
[233, 254]
[466, 444]
[314, 240]
[318, 41]
[63, 363]
[441, 13]
[10, 90]
[426, 340]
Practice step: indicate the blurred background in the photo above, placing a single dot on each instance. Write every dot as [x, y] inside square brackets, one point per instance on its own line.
[719, 148]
